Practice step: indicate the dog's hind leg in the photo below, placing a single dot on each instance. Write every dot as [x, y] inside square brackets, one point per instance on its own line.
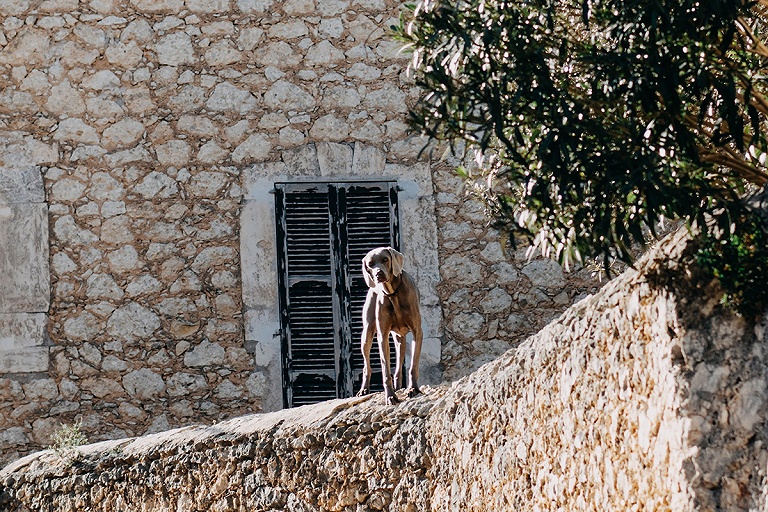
[399, 359]
[383, 338]
[413, 369]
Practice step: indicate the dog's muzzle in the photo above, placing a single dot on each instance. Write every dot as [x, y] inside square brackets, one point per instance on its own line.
[380, 276]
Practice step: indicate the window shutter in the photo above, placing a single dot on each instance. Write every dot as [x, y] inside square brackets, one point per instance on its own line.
[372, 214]
[323, 232]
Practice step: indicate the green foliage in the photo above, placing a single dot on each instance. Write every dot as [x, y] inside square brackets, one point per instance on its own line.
[66, 439]
[739, 260]
[592, 120]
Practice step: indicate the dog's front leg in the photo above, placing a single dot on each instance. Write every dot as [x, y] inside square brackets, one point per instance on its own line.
[413, 370]
[399, 360]
[366, 341]
[389, 393]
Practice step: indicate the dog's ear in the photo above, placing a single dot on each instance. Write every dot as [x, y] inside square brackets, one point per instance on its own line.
[397, 261]
[367, 275]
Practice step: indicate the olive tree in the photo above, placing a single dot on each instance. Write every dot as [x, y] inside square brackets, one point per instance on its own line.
[591, 120]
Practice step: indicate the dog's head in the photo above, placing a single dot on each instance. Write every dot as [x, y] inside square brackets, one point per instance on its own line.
[381, 265]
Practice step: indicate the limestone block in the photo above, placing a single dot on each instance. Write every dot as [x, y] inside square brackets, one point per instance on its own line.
[330, 128]
[207, 184]
[250, 36]
[334, 159]
[22, 330]
[92, 36]
[329, 8]
[368, 160]
[332, 28]
[124, 259]
[388, 99]
[102, 80]
[24, 271]
[29, 48]
[228, 98]
[24, 360]
[257, 252]
[279, 54]
[468, 325]
[190, 98]
[20, 185]
[157, 185]
[290, 136]
[103, 286]
[144, 384]
[62, 264]
[132, 322]
[183, 384]
[288, 96]
[174, 152]
[211, 153]
[255, 148]
[205, 354]
[102, 388]
[175, 49]
[126, 55]
[291, 29]
[302, 161]
[323, 53]
[168, 6]
[65, 99]
[545, 273]
[261, 327]
[342, 96]
[197, 125]
[505, 273]
[228, 391]
[13, 7]
[81, 327]
[222, 54]
[208, 6]
[461, 269]
[76, 130]
[213, 256]
[364, 72]
[497, 301]
[123, 134]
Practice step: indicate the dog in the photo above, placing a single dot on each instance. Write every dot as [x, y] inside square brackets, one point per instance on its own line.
[391, 306]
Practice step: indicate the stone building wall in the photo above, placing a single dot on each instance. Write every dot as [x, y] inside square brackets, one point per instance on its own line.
[142, 121]
[649, 395]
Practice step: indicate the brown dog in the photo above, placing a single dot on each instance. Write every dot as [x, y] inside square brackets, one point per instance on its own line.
[392, 306]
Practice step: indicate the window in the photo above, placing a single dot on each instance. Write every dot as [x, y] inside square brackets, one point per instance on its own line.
[323, 232]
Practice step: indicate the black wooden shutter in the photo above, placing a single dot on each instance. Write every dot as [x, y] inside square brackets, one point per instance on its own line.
[323, 232]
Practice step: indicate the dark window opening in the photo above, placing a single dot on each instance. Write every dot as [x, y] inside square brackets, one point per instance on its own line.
[323, 232]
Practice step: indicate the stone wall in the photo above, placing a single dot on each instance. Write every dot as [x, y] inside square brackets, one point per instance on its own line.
[648, 395]
[493, 295]
[138, 126]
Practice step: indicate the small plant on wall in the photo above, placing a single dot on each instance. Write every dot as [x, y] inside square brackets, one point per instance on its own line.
[65, 441]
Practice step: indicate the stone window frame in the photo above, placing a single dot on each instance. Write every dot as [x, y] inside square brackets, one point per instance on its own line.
[327, 161]
[25, 279]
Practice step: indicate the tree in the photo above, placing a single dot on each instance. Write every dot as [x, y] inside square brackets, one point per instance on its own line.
[593, 119]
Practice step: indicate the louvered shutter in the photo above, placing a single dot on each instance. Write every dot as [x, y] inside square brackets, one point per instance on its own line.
[372, 219]
[323, 232]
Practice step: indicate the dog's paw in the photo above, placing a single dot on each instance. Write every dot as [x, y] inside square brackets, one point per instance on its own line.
[391, 400]
[412, 392]
[363, 392]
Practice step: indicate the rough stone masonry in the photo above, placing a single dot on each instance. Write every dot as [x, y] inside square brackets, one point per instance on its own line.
[648, 395]
[128, 131]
